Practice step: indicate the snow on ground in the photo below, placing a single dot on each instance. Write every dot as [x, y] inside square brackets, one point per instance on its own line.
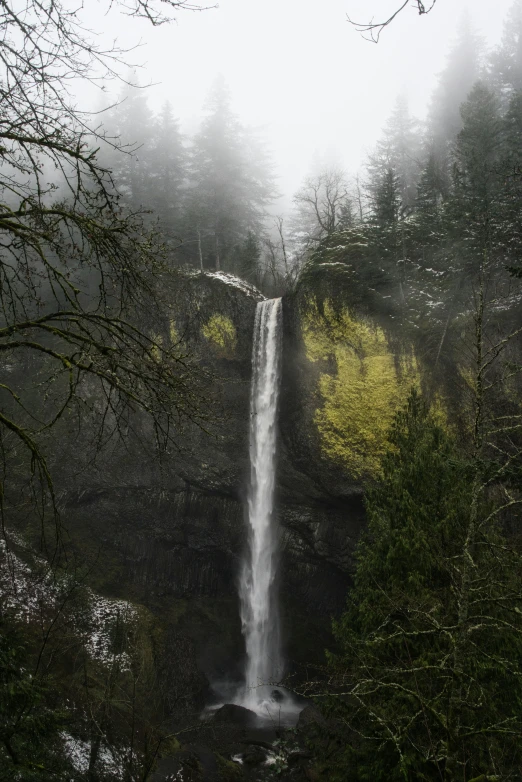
[78, 752]
[105, 613]
[31, 596]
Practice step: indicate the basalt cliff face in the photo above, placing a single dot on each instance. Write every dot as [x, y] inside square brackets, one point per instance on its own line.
[170, 534]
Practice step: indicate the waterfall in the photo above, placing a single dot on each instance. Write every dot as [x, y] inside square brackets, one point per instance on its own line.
[259, 613]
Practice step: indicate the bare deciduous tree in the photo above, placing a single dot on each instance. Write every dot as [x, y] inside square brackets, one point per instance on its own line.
[323, 205]
[80, 278]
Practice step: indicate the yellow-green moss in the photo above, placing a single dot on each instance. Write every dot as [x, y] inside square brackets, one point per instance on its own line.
[228, 770]
[221, 333]
[360, 398]
[173, 333]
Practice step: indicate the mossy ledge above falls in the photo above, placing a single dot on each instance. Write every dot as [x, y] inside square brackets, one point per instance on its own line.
[169, 535]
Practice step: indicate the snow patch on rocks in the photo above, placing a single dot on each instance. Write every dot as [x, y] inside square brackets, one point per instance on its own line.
[232, 280]
[236, 282]
[33, 595]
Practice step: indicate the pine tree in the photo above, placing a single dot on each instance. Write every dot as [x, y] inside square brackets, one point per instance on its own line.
[30, 745]
[387, 237]
[385, 234]
[432, 282]
[386, 200]
[428, 203]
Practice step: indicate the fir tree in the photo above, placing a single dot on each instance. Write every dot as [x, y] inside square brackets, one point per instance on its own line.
[428, 202]
[509, 235]
[385, 231]
[386, 200]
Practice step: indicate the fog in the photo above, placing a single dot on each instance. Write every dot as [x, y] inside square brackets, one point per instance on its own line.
[299, 70]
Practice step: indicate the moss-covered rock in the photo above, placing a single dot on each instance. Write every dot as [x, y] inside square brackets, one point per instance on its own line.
[220, 331]
[363, 384]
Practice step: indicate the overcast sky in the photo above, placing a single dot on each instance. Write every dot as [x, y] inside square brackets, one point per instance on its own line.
[299, 70]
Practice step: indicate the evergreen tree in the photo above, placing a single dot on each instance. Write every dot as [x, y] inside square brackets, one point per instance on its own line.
[430, 691]
[247, 258]
[463, 68]
[399, 149]
[476, 197]
[428, 204]
[131, 123]
[509, 235]
[228, 193]
[506, 61]
[385, 236]
[167, 161]
[30, 745]
[387, 200]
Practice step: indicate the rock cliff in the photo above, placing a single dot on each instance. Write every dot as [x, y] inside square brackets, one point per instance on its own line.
[170, 534]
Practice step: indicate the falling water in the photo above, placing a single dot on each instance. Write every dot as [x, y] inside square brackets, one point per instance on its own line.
[259, 615]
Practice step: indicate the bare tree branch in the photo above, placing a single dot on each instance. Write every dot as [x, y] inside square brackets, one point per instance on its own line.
[375, 28]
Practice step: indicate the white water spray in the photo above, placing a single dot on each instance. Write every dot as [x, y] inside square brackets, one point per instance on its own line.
[259, 614]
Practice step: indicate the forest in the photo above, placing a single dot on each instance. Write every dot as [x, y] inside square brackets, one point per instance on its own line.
[260, 460]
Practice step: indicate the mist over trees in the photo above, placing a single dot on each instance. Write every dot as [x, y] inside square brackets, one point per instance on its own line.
[435, 194]
[207, 195]
[211, 195]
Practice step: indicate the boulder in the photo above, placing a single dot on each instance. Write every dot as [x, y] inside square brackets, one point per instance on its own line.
[310, 716]
[235, 715]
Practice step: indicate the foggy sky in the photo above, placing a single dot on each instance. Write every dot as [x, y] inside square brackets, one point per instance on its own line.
[299, 70]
